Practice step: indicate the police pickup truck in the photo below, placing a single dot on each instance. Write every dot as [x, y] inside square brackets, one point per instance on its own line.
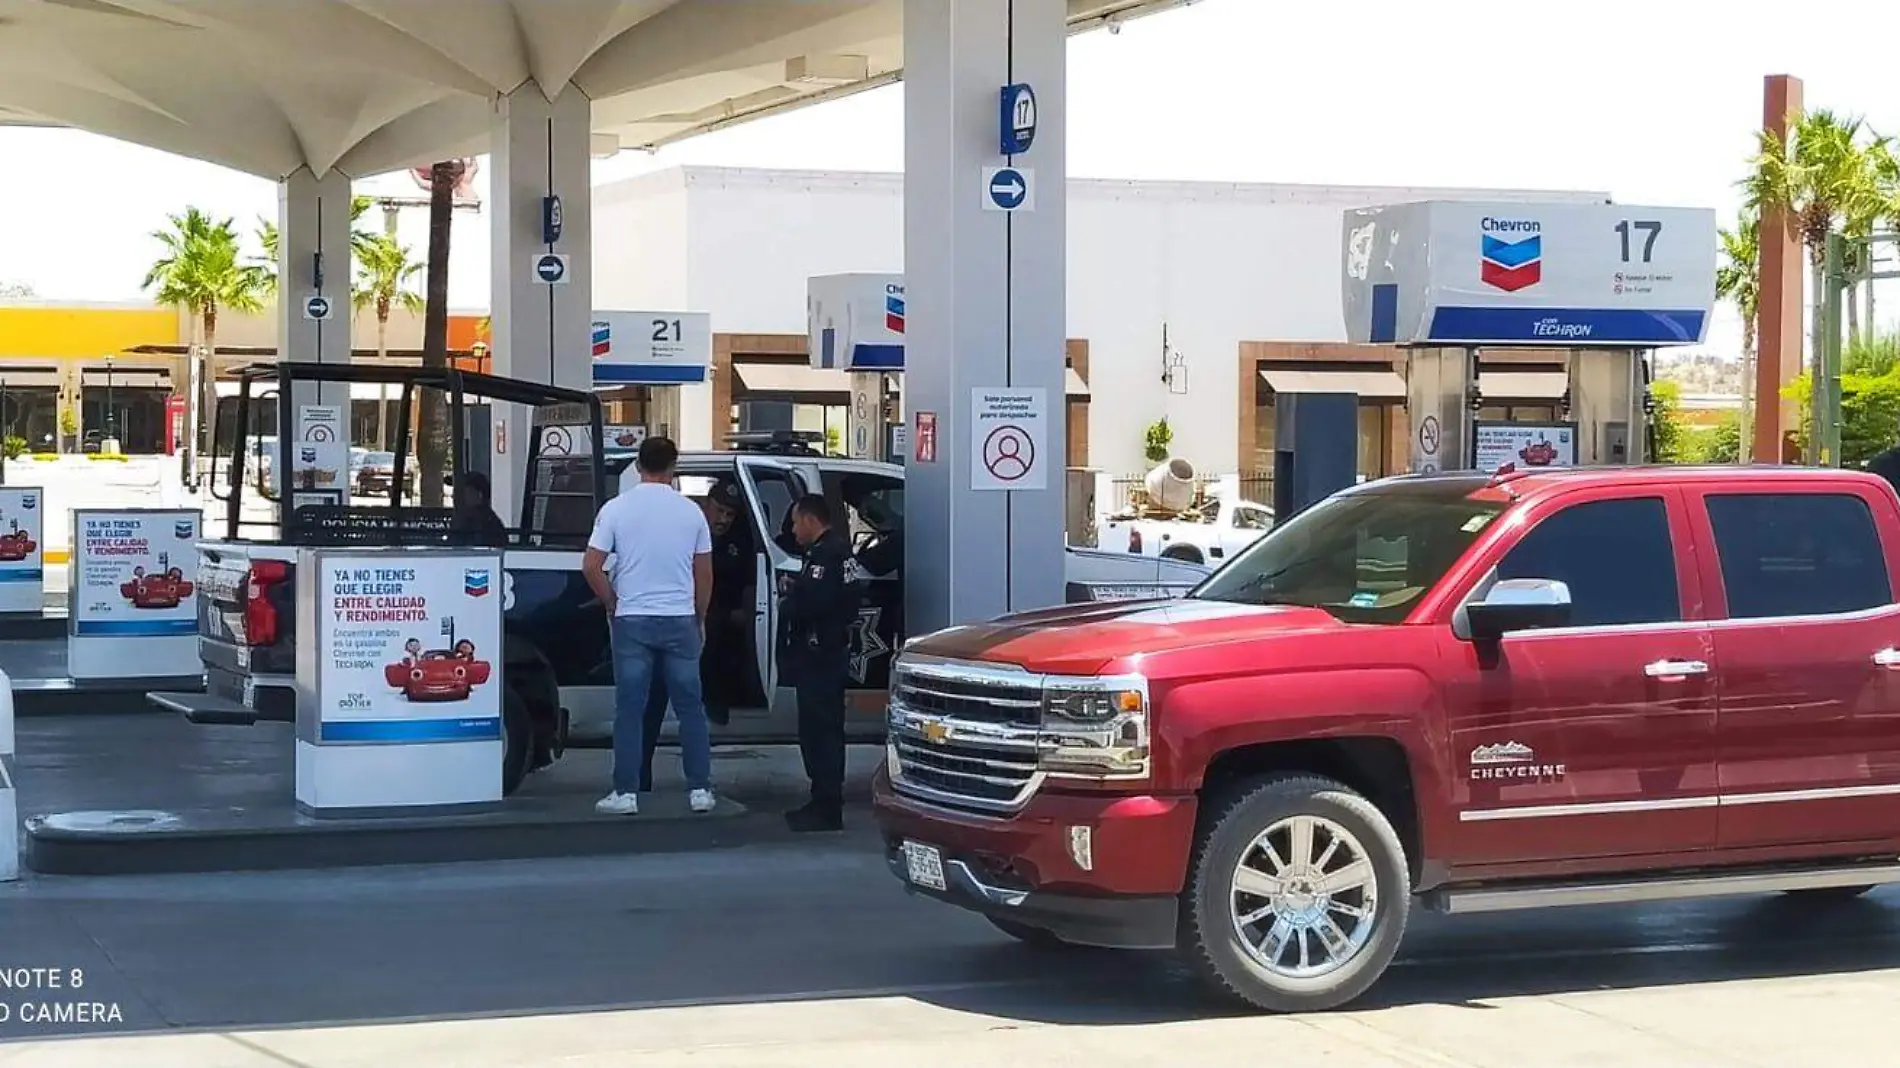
[558, 665]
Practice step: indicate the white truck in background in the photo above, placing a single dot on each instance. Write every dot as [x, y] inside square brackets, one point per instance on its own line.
[1171, 523]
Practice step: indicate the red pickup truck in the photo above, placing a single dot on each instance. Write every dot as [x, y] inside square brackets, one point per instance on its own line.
[1471, 693]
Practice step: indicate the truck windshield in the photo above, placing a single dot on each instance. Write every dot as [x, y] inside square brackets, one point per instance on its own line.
[1365, 557]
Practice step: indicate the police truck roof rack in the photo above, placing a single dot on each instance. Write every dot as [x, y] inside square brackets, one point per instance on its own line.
[781, 442]
[331, 519]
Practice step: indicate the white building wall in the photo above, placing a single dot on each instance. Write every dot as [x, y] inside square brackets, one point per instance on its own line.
[1218, 263]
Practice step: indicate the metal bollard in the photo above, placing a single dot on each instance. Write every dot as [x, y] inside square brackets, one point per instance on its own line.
[9, 808]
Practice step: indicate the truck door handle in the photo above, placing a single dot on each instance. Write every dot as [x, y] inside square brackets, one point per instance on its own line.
[1888, 657]
[1675, 669]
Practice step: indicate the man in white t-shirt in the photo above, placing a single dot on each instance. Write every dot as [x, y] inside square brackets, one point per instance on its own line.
[659, 549]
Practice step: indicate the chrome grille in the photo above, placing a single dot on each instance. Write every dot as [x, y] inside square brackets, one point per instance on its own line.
[965, 736]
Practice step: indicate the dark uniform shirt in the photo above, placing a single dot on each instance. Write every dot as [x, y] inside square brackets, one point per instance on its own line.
[824, 601]
[735, 567]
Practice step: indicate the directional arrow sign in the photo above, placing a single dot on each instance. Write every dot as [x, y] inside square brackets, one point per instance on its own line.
[316, 306]
[1009, 189]
[550, 268]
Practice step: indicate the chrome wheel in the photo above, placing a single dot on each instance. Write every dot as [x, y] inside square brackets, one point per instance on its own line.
[1305, 897]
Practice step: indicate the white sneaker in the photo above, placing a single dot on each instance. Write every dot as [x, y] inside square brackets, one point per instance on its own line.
[618, 804]
[701, 801]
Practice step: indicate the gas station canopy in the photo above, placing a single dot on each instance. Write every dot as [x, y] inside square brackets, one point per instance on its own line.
[369, 86]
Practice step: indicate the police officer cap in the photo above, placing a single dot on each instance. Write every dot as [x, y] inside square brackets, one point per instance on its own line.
[725, 494]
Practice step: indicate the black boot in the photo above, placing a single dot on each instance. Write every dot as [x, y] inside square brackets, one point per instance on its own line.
[815, 816]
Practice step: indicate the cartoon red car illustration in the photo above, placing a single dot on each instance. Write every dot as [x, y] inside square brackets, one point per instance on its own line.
[1538, 454]
[437, 675]
[16, 545]
[163, 589]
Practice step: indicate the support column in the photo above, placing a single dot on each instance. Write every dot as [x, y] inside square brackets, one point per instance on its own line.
[985, 307]
[1778, 330]
[313, 261]
[541, 332]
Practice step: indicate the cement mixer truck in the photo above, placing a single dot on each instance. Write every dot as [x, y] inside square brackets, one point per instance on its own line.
[1175, 520]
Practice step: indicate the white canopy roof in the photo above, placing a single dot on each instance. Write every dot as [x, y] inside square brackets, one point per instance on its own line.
[369, 86]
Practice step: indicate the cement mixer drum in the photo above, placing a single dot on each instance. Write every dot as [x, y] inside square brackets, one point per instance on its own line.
[1171, 486]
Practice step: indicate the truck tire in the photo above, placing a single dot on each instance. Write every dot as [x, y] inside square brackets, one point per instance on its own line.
[517, 740]
[1185, 553]
[1295, 943]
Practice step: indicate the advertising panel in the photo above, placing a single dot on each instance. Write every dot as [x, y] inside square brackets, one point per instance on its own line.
[651, 348]
[133, 602]
[22, 545]
[855, 322]
[409, 648]
[1525, 445]
[1570, 275]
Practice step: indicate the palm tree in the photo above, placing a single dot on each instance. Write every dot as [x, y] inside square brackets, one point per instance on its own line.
[433, 447]
[1738, 280]
[1824, 177]
[384, 277]
[203, 272]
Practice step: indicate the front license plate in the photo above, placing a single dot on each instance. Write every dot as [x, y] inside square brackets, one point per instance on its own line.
[923, 865]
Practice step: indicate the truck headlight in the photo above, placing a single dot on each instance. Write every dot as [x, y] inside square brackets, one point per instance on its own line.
[1094, 728]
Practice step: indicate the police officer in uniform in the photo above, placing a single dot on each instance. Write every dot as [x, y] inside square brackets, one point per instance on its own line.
[821, 604]
[726, 659]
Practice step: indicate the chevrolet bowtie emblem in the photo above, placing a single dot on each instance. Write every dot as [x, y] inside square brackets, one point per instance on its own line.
[936, 731]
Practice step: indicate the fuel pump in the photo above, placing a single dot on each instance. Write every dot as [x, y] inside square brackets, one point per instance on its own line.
[855, 324]
[1449, 281]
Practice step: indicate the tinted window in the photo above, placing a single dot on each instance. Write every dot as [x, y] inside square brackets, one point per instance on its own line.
[1251, 519]
[1798, 554]
[1615, 556]
[1365, 556]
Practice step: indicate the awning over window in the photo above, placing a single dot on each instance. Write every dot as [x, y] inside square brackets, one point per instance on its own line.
[129, 378]
[792, 378]
[1077, 389]
[1523, 385]
[35, 379]
[1370, 384]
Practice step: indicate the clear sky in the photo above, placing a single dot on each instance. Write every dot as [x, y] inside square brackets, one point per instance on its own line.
[1653, 102]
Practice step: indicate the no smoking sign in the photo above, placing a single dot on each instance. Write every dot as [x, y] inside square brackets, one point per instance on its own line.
[1008, 438]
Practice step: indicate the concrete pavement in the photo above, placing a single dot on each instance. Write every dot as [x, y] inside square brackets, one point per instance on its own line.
[805, 952]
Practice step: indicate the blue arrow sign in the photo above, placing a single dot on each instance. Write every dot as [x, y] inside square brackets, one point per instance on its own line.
[316, 307]
[1005, 188]
[550, 268]
[1018, 119]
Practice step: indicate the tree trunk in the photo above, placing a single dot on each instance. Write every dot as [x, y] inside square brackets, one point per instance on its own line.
[1853, 312]
[433, 446]
[382, 391]
[1819, 408]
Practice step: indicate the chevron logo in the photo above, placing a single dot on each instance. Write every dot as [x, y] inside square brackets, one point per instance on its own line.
[894, 311]
[1512, 265]
[603, 340]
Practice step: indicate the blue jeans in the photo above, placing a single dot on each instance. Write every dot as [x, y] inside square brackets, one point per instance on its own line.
[667, 647]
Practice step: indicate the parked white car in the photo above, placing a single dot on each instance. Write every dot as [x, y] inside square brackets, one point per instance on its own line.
[1210, 533]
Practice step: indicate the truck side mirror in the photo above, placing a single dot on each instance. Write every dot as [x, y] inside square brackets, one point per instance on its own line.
[1518, 604]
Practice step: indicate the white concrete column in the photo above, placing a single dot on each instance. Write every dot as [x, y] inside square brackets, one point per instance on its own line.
[313, 261]
[541, 332]
[985, 305]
